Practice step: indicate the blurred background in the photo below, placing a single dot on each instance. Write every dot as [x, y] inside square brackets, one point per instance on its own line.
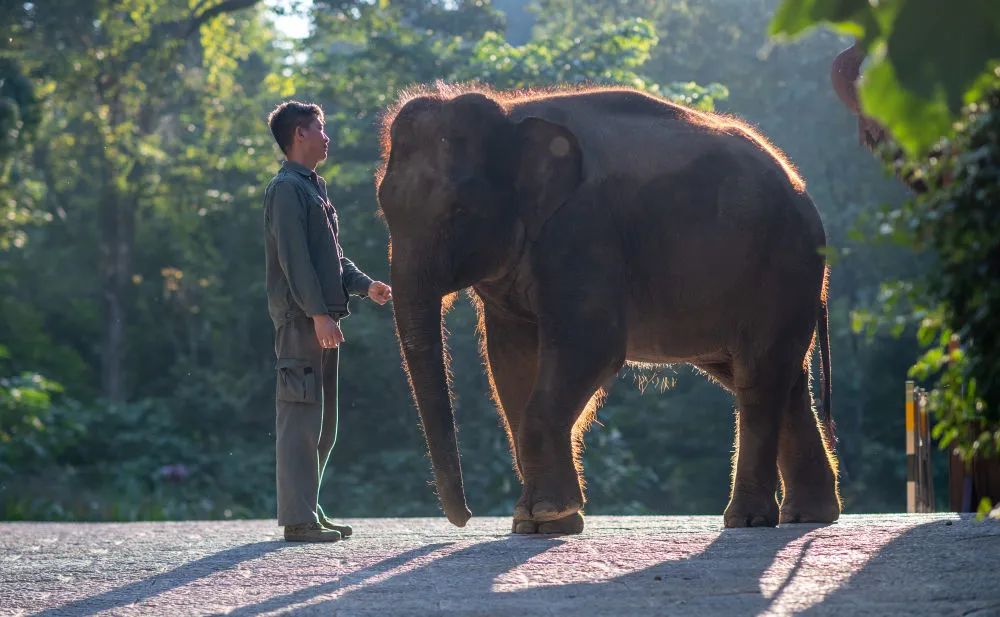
[136, 358]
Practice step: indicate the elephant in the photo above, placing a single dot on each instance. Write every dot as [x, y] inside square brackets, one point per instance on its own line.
[594, 227]
[845, 73]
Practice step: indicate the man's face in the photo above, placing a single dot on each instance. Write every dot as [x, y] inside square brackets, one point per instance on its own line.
[311, 140]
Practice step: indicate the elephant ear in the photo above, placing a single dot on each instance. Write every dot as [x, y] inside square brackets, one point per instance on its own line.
[549, 169]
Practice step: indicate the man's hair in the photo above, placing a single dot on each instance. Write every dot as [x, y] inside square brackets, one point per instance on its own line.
[287, 117]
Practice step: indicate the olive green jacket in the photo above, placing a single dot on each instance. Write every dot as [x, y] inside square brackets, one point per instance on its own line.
[306, 273]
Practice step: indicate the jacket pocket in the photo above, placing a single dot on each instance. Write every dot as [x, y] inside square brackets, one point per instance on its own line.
[296, 381]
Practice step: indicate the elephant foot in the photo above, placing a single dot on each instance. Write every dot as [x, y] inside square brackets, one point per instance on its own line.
[750, 510]
[542, 506]
[793, 511]
[569, 524]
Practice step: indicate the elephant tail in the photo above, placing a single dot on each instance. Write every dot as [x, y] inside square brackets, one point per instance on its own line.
[826, 375]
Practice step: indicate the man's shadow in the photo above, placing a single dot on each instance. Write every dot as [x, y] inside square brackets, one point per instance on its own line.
[164, 581]
[139, 591]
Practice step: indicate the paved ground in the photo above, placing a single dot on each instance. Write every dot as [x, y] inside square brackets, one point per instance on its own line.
[622, 566]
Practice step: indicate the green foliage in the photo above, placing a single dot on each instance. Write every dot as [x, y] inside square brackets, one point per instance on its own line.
[19, 118]
[953, 307]
[849, 16]
[612, 54]
[31, 426]
[926, 62]
[957, 219]
[140, 461]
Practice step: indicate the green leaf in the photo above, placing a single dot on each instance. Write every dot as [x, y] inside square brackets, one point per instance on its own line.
[939, 53]
[915, 122]
[985, 505]
[851, 17]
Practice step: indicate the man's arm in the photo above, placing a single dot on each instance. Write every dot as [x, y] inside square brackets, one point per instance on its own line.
[286, 219]
[355, 281]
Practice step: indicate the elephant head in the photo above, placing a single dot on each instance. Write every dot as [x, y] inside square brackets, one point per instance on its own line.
[844, 75]
[462, 188]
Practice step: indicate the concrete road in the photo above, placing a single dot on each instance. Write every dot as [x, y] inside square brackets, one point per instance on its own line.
[621, 566]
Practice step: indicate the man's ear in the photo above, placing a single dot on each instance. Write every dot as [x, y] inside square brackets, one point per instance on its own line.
[549, 168]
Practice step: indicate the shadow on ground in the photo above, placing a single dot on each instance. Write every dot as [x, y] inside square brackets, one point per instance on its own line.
[807, 569]
[796, 569]
[172, 579]
[140, 591]
[470, 581]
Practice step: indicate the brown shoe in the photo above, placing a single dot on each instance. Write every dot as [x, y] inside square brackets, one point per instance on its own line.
[310, 532]
[345, 530]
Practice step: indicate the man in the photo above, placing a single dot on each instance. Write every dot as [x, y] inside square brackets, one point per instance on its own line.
[308, 283]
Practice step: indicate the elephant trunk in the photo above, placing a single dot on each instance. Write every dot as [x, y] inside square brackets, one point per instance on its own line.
[421, 338]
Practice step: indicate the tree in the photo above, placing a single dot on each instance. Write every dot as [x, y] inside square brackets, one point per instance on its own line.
[103, 53]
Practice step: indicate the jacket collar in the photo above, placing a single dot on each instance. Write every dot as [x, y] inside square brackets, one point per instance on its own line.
[298, 168]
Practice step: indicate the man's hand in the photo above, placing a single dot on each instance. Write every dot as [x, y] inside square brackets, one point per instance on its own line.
[327, 331]
[380, 292]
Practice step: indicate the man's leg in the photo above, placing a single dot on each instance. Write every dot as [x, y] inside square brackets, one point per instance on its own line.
[297, 472]
[299, 419]
[328, 433]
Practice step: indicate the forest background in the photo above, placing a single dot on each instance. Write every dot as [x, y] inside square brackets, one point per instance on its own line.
[135, 349]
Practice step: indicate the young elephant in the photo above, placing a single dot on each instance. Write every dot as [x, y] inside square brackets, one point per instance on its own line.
[597, 227]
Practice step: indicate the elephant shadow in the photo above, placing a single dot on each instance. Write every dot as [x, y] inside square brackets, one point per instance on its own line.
[520, 574]
[736, 572]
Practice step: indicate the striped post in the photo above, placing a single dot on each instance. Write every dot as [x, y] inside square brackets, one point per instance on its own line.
[911, 451]
[925, 487]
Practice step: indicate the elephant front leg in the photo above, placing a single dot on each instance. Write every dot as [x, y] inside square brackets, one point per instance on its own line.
[561, 406]
[512, 354]
[569, 524]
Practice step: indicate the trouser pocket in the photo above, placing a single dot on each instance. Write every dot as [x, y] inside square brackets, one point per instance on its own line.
[296, 381]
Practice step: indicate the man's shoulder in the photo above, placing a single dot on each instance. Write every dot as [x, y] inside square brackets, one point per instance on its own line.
[284, 180]
[283, 175]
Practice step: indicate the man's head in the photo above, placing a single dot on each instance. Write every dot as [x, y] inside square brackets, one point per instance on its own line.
[298, 128]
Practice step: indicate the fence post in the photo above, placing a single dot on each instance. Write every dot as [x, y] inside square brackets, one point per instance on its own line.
[925, 478]
[911, 447]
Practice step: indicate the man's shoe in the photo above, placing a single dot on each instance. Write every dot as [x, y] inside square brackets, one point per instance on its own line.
[310, 532]
[345, 530]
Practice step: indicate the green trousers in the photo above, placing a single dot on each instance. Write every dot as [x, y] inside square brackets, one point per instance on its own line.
[306, 423]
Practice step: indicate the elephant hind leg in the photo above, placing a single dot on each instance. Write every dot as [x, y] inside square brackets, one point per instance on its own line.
[806, 462]
[762, 389]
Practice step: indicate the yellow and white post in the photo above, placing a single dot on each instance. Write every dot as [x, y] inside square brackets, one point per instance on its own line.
[925, 479]
[911, 450]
